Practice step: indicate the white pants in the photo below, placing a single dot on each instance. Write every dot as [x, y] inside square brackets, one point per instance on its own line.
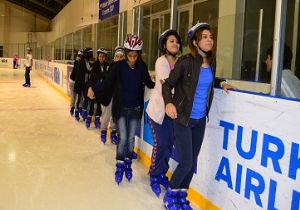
[106, 118]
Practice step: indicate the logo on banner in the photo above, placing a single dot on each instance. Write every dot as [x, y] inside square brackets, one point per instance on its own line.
[277, 162]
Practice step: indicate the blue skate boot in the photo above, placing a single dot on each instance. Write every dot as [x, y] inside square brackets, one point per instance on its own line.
[154, 183]
[164, 181]
[26, 85]
[72, 111]
[97, 122]
[134, 155]
[84, 114]
[184, 203]
[120, 167]
[128, 169]
[77, 115]
[88, 121]
[170, 200]
[103, 136]
[80, 111]
[114, 137]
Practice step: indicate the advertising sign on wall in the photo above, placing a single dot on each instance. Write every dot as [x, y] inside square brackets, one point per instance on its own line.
[56, 75]
[108, 8]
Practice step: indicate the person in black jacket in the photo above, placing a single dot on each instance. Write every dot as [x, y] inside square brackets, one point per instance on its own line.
[127, 79]
[99, 72]
[106, 118]
[81, 81]
[193, 80]
[73, 95]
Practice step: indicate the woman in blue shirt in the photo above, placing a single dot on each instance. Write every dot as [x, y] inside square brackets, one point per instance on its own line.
[193, 80]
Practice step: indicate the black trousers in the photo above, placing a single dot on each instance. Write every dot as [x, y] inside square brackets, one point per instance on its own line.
[188, 141]
[98, 108]
[27, 75]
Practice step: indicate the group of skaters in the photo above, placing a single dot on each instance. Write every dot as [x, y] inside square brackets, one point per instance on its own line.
[85, 74]
[178, 108]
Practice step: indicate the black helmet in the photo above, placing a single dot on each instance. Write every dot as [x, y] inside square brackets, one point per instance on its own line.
[194, 29]
[88, 53]
[163, 40]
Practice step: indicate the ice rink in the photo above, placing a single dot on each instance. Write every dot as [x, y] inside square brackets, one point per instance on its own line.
[48, 161]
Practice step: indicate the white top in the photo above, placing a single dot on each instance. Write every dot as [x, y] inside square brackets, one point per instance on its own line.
[156, 106]
[290, 85]
[28, 60]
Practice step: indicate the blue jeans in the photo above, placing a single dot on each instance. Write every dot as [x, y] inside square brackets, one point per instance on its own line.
[188, 141]
[127, 123]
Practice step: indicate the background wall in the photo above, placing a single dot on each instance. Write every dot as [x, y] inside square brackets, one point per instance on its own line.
[17, 26]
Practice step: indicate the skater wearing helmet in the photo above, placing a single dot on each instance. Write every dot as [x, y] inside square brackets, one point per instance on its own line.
[28, 66]
[162, 125]
[81, 82]
[106, 118]
[98, 74]
[127, 78]
[72, 79]
[193, 80]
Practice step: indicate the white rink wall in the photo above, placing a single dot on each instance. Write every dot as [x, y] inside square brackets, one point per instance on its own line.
[250, 158]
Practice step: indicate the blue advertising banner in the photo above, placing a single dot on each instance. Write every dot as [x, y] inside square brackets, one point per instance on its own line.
[108, 8]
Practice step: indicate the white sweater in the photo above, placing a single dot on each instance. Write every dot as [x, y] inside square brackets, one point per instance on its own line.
[156, 106]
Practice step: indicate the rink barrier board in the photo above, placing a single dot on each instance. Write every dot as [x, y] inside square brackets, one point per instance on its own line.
[229, 165]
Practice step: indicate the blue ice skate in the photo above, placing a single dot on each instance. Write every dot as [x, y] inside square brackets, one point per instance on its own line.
[134, 155]
[84, 114]
[80, 111]
[103, 136]
[114, 137]
[171, 200]
[26, 85]
[120, 167]
[128, 169]
[154, 183]
[164, 181]
[77, 115]
[88, 121]
[183, 202]
[97, 122]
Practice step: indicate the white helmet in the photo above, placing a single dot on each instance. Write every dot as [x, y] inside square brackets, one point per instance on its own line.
[133, 42]
[102, 50]
[119, 49]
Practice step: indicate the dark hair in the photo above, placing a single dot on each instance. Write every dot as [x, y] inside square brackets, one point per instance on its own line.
[287, 56]
[87, 53]
[163, 40]
[139, 52]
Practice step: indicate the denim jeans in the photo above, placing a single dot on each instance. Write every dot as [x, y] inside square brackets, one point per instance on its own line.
[127, 124]
[188, 141]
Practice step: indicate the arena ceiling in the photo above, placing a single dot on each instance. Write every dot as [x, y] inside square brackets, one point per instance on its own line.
[46, 8]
